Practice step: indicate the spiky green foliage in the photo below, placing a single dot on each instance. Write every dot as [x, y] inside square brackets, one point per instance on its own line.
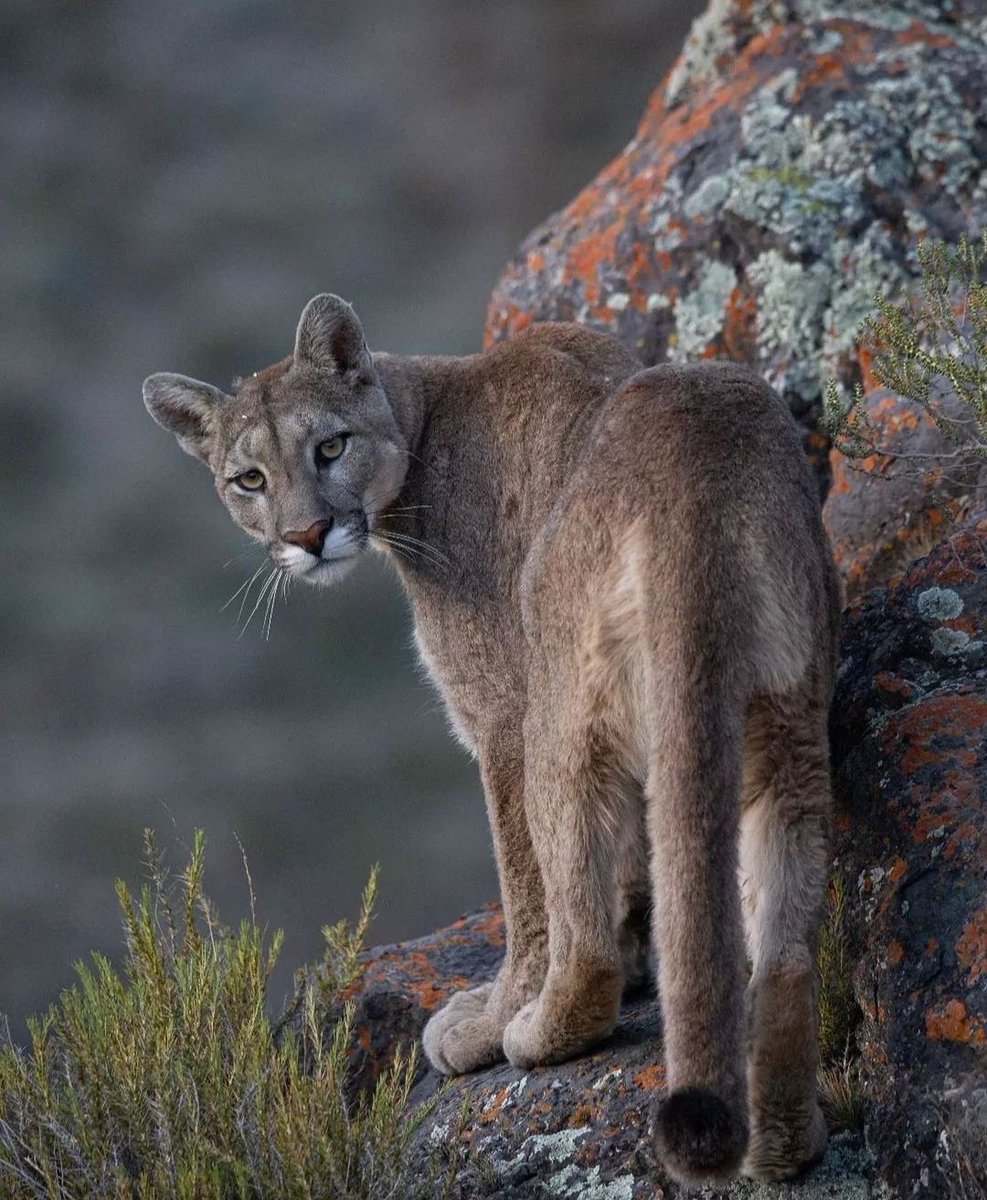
[841, 1095]
[931, 349]
[839, 1014]
[168, 1079]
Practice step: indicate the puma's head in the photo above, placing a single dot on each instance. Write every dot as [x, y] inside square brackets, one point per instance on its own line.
[304, 453]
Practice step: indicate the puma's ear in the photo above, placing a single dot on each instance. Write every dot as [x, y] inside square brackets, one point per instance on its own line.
[185, 407]
[330, 336]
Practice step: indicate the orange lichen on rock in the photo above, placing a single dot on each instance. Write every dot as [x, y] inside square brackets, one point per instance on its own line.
[491, 926]
[898, 869]
[587, 257]
[651, 1079]
[962, 716]
[952, 1023]
[885, 681]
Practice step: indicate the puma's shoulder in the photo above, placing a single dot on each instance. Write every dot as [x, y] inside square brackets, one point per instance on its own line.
[598, 354]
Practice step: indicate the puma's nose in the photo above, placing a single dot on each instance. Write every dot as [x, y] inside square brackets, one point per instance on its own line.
[312, 539]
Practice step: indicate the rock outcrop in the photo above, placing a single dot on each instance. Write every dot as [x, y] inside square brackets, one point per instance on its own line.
[910, 766]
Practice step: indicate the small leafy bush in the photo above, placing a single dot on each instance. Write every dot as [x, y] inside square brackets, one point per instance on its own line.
[931, 349]
[168, 1078]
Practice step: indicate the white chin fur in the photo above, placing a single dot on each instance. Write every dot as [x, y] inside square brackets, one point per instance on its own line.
[324, 574]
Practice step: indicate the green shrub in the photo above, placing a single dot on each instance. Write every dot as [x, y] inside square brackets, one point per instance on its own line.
[168, 1078]
[931, 349]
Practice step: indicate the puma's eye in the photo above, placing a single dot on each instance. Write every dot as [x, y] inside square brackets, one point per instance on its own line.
[330, 450]
[252, 481]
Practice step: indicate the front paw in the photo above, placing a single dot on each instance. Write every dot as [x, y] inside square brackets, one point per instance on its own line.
[464, 1035]
[538, 1035]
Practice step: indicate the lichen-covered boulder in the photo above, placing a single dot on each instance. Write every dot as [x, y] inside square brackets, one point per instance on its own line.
[910, 760]
[781, 175]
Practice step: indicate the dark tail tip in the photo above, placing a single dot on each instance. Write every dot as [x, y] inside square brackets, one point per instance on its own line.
[699, 1137]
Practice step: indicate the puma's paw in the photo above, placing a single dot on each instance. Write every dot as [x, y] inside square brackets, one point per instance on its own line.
[537, 1037]
[782, 1148]
[463, 1035]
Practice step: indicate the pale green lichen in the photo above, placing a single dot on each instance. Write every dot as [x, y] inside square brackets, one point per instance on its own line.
[709, 38]
[939, 604]
[862, 268]
[791, 302]
[845, 1173]
[809, 181]
[699, 314]
[956, 643]
[709, 196]
[666, 236]
[939, 131]
[556, 1146]
[572, 1180]
[578, 1183]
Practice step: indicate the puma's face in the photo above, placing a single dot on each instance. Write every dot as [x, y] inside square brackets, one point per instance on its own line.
[307, 462]
[306, 453]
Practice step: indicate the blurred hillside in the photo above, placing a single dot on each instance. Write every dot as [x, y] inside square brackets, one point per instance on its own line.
[178, 180]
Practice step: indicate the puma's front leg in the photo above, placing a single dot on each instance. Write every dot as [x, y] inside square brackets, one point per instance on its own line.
[468, 1031]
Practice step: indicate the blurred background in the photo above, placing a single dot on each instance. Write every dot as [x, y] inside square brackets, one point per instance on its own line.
[178, 179]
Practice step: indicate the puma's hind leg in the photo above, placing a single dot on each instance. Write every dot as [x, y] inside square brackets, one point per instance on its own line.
[577, 796]
[784, 864]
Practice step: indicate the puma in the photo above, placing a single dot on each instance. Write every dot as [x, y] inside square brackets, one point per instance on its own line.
[623, 591]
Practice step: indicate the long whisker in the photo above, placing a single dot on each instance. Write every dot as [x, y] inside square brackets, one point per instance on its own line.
[397, 549]
[407, 538]
[260, 596]
[283, 584]
[272, 599]
[404, 551]
[373, 512]
[418, 458]
[246, 585]
[414, 548]
[264, 632]
[385, 538]
[242, 554]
